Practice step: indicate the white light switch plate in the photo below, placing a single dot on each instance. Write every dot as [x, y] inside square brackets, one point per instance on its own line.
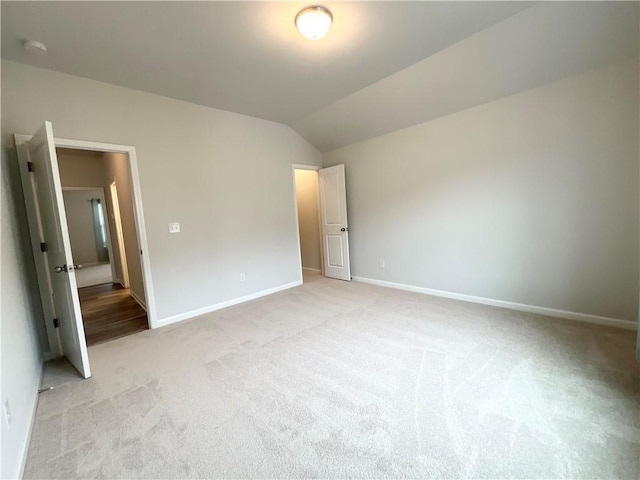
[174, 228]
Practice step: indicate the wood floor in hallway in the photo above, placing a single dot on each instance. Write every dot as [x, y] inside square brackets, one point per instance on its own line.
[109, 311]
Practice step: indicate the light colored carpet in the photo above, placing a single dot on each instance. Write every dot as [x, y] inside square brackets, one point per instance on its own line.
[338, 380]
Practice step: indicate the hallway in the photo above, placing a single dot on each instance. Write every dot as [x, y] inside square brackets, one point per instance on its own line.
[109, 311]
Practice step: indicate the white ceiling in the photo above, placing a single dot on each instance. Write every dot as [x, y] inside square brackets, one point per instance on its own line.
[383, 65]
[544, 43]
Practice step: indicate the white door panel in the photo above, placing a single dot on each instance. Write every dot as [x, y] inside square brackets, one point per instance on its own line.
[335, 228]
[332, 211]
[334, 251]
[59, 267]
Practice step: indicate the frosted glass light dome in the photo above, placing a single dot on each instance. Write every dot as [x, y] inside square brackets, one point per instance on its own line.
[314, 22]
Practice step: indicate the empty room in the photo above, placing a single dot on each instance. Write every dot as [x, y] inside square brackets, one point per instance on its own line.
[335, 240]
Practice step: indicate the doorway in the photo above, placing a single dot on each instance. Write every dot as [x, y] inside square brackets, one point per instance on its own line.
[320, 200]
[50, 239]
[308, 216]
[101, 228]
[89, 235]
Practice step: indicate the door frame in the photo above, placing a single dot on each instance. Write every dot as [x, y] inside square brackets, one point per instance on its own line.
[117, 221]
[141, 233]
[300, 166]
[103, 197]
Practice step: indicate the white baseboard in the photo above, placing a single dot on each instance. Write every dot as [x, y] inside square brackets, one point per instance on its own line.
[228, 303]
[139, 300]
[312, 269]
[551, 312]
[34, 409]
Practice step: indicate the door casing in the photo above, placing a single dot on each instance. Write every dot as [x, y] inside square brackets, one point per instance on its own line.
[130, 151]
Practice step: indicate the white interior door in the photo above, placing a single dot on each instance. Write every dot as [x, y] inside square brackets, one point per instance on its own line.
[333, 217]
[51, 222]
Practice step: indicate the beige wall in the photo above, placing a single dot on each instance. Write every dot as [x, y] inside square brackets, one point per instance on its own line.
[117, 168]
[530, 199]
[23, 336]
[80, 168]
[308, 224]
[225, 177]
[77, 205]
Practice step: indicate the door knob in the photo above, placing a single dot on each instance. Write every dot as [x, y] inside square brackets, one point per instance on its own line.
[61, 269]
[77, 266]
[344, 229]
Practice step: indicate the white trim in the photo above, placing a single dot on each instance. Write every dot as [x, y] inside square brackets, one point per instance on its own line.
[138, 299]
[312, 269]
[137, 209]
[117, 223]
[551, 312]
[227, 303]
[302, 166]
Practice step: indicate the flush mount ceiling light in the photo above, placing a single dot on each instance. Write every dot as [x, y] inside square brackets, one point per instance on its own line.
[314, 22]
[32, 46]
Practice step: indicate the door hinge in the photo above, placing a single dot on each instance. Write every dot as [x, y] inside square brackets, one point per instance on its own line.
[30, 166]
[44, 247]
[56, 323]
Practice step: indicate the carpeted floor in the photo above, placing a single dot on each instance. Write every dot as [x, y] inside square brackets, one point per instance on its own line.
[338, 380]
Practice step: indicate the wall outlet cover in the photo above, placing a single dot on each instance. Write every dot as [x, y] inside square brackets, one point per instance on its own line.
[174, 228]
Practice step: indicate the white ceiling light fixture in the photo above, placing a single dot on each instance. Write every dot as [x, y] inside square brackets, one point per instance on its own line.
[33, 46]
[314, 22]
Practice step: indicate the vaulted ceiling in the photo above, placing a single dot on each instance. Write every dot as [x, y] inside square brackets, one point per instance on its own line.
[383, 66]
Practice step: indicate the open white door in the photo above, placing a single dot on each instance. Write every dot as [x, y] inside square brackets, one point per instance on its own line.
[47, 216]
[335, 228]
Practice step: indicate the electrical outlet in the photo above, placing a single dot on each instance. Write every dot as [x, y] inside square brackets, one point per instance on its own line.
[382, 263]
[242, 277]
[174, 228]
[7, 412]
